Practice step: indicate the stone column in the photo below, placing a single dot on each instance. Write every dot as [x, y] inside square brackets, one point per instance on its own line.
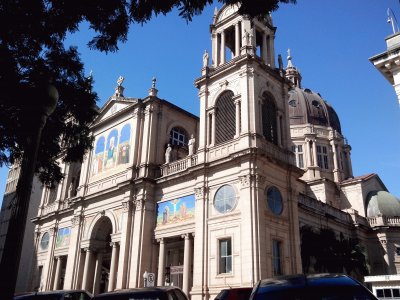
[48, 267]
[86, 269]
[97, 272]
[186, 264]
[278, 129]
[125, 242]
[237, 40]
[308, 153]
[237, 105]
[336, 172]
[314, 148]
[200, 289]
[212, 128]
[57, 273]
[113, 266]
[222, 58]
[214, 49]
[71, 269]
[161, 263]
[349, 166]
[264, 53]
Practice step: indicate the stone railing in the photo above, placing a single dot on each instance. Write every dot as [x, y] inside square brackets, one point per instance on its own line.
[324, 208]
[53, 207]
[278, 153]
[383, 221]
[179, 165]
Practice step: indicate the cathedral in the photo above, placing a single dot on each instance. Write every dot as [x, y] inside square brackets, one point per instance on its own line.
[218, 200]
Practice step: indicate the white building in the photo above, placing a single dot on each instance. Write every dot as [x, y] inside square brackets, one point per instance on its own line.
[215, 201]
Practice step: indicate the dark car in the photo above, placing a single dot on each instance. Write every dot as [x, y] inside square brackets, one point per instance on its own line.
[55, 295]
[242, 293]
[311, 287]
[149, 293]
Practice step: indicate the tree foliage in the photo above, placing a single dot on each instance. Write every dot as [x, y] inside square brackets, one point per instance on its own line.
[32, 53]
[321, 251]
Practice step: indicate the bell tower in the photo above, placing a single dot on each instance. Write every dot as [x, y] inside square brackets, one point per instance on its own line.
[242, 95]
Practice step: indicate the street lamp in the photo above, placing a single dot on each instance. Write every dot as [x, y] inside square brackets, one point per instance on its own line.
[47, 97]
[145, 277]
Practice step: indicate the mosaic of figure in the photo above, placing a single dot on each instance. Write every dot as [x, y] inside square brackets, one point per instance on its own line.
[124, 145]
[97, 164]
[111, 153]
[176, 210]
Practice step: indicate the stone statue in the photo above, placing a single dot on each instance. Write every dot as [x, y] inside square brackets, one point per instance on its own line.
[246, 37]
[120, 80]
[70, 190]
[168, 154]
[205, 59]
[191, 144]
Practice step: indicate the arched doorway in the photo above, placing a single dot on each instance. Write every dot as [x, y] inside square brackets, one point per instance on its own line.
[99, 257]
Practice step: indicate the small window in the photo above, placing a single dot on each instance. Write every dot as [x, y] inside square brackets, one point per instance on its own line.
[322, 157]
[178, 137]
[293, 103]
[274, 200]
[44, 242]
[276, 257]
[398, 250]
[225, 199]
[315, 103]
[225, 256]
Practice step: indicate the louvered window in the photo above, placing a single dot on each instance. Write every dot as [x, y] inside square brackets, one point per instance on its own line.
[270, 130]
[225, 119]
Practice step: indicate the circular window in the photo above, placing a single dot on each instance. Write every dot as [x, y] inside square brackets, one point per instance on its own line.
[274, 200]
[292, 103]
[225, 199]
[315, 103]
[44, 243]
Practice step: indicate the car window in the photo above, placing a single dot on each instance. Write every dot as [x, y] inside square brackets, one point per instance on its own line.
[171, 295]
[317, 293]
[243, 294]
[180, 295]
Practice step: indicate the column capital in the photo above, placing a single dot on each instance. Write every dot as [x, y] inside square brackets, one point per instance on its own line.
[160, 240]
[186, 236]
[126, 205]
[200, 193]
[245, 180]
[114, 244]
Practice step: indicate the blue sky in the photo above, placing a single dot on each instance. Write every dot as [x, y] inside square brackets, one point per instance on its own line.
[330, 42]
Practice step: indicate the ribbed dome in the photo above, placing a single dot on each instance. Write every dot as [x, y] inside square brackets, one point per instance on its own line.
[307, 107]
[382, 203]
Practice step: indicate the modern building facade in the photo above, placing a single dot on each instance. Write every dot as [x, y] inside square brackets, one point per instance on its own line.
[216, 200]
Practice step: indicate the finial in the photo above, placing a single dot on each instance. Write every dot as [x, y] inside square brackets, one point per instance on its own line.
[289, 58]
[215, 11]
[153, 91]
[119, 88]
[120, 80]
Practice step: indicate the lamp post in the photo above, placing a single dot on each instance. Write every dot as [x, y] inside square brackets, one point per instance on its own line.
[47, 102]
[145, 277]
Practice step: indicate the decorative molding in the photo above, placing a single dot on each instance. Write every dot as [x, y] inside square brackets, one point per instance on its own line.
[139, 204]
[200, 193]
[126, 205]
[75, 220]
[245, 180]
[260, 180]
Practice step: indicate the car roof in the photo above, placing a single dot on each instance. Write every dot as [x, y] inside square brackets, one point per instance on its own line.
[325, 279]
[158, 289]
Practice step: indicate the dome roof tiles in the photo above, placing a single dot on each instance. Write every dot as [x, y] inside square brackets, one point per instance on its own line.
[382, 203]
[308, 107]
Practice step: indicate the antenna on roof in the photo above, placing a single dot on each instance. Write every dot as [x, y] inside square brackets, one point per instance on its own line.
[392, 20]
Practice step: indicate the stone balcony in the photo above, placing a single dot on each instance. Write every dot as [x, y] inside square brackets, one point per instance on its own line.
[382, 221]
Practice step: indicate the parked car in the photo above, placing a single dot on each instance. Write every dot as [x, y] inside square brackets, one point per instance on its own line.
[149, 293]
[311, 287]
[55, 295]
[242, 293]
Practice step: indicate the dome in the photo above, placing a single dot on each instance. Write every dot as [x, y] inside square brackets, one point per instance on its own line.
[307, 107]
[382, 203]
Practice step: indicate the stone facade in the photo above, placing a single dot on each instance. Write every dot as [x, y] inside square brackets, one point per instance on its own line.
[225, 212]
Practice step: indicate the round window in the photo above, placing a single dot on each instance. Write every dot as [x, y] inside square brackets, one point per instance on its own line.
[225, 199]
[44, 243]
[274, 200]
[293, 103]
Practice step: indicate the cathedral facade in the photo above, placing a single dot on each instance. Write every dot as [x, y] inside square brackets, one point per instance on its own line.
[216, 200]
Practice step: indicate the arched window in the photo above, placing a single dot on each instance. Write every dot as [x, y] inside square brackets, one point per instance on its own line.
[269, 122]
[178, 137]
[225, 119]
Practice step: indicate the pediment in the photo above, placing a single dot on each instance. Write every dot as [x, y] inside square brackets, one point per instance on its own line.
[113, 106]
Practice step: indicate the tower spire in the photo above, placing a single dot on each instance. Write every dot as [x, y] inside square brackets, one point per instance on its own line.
[292, 73]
